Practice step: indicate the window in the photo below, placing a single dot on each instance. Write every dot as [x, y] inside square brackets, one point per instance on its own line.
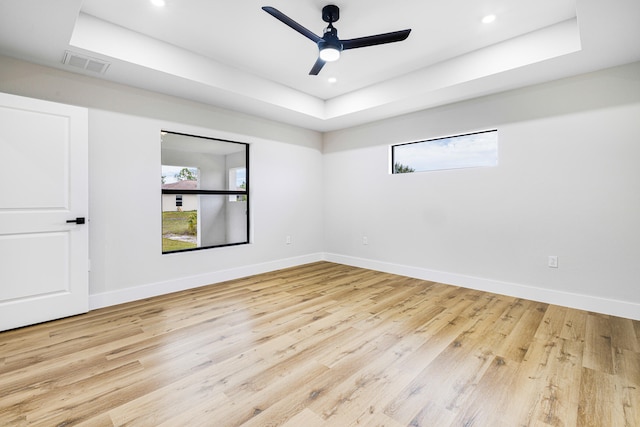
[237, 181]
[205, 192]
[472, 150]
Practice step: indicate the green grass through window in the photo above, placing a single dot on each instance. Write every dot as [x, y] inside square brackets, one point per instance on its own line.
[176, 228]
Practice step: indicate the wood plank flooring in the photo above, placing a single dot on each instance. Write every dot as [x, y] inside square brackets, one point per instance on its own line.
[324, 345]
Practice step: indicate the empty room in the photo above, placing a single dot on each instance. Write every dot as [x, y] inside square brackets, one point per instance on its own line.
[319, 214]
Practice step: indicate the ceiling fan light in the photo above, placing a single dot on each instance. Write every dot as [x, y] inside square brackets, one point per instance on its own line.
[329, 54]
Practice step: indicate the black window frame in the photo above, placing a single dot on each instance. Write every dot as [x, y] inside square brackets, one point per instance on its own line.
[244, 192]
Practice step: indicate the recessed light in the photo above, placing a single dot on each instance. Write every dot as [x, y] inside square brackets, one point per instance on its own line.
[488, 19]
[332, 80]
[158, 3]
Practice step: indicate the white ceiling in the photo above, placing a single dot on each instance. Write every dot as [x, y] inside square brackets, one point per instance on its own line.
[235, 55]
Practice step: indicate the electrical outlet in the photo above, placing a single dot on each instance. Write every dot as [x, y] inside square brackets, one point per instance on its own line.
[552, 261]
[287, 240]
[365, 240]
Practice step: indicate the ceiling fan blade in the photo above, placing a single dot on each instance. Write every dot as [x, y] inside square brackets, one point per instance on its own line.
[395, 36]
[316, 67]
[291, 23]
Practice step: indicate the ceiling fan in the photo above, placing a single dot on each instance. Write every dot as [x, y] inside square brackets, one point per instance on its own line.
[329, 44]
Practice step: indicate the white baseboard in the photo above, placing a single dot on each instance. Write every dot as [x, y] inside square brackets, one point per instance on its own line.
[106, 299]
[625, 309]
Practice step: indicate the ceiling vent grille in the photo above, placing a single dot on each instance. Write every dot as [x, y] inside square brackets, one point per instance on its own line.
[85, 62]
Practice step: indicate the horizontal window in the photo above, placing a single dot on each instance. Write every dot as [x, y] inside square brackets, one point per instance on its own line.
[471, 150]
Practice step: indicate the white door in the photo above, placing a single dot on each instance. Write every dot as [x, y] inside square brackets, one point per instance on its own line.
[43, 186]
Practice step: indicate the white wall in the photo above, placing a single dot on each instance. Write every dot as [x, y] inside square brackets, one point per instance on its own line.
[567, 184]
[124, 188]
[126, 245]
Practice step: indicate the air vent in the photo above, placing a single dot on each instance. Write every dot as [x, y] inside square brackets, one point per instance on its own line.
[85, 62]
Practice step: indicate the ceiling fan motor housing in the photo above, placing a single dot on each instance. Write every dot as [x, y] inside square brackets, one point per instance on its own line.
[330, 36]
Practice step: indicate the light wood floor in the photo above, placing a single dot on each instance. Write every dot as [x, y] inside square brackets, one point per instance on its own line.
[324, 345]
